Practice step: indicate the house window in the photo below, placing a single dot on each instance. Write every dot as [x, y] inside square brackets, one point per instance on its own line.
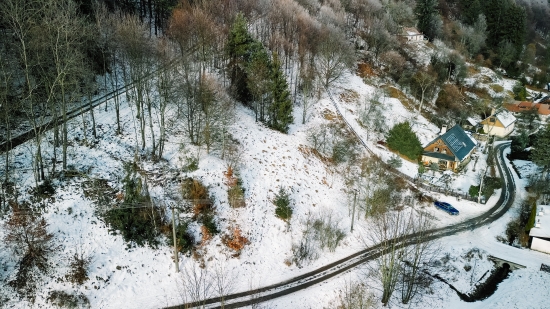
[444, 151]
[492, 119]
[436, 149]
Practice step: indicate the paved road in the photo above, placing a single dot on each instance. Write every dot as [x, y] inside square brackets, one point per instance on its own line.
[326, 272]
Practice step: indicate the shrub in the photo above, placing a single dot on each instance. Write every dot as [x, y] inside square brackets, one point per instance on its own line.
[184, 240]
[138, 225]
[520, 93]
[235, 240]
[136, 222]
[532, 218]
[43, 191]
[29, 237]
[402, 139]
[78, 269]
[235, 192]
[283, 210]
[449, 99]
[343, 150]
[395, 161]
[490, 185]
[191, 164]
[197, 193]
[62, 299]
[328, 232]
[209, 223]
[321, 232]
[421, 168]
[473, 191]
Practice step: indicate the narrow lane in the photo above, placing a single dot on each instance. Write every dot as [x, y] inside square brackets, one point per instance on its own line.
[326, 272]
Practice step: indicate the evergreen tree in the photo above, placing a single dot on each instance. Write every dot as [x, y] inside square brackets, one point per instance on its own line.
[280, 110]
[470, 10]
[505, 23]
[402, 139]
[258, 73]
[540, 153]
[237, 49]
[429, 21]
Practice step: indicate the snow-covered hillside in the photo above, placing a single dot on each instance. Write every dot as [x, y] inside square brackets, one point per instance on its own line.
[123, 276]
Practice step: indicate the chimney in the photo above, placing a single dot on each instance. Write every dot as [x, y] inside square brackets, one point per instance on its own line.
[443, 129]
[493, 111]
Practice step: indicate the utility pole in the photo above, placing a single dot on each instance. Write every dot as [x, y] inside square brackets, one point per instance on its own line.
[175, 241]
[353, 214]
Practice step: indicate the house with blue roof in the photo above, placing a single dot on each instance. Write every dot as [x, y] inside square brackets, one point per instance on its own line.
[451, 150]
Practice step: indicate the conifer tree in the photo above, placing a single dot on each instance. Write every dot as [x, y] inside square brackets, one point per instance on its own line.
[258, 73]
[237, 49]
[470, 11]
[540, 154]
[428, 18]
[280, 109]
[402, 139]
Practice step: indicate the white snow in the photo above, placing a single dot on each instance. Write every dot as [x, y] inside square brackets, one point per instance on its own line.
[144, 277]
[506, 118]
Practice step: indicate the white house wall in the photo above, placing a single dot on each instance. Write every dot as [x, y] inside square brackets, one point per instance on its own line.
[498, 131]
[540, 245]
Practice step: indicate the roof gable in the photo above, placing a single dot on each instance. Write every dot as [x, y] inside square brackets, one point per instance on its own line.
[458, 142]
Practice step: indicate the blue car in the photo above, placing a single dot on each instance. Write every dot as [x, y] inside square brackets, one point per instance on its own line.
[448, 208]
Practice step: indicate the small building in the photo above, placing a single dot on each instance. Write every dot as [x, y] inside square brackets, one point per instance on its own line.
[451, 150]
[540, 233]
[412, 34]
[500, 123]
[517, 107]
[470, 124]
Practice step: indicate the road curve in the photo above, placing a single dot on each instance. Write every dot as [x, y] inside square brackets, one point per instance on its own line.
[321, 274]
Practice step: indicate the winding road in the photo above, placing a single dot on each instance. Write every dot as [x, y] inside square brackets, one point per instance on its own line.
[336, 268]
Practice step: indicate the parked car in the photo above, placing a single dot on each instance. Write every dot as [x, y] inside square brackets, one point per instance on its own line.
[446, 207]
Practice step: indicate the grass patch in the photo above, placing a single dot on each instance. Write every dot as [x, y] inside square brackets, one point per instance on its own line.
[330, 115]
[365, 70]
[497, 88]
[472, 70]
[482, 93]
[349, 96]
[398, 94]
[235, 190]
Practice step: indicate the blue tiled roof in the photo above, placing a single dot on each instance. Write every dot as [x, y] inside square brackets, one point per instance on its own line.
[458, 142]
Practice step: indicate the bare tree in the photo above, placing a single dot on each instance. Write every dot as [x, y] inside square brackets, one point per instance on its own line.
[21, 18]
[423, 81]
[63, 34]
[224, 282]
[136, 46]
[354, 296]
[418, 254]
[405, 250]
[335, 56]
[372, 115]
[196, 285]
[388, 229]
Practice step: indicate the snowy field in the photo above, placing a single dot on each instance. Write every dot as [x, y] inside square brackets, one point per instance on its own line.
[144, 277]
